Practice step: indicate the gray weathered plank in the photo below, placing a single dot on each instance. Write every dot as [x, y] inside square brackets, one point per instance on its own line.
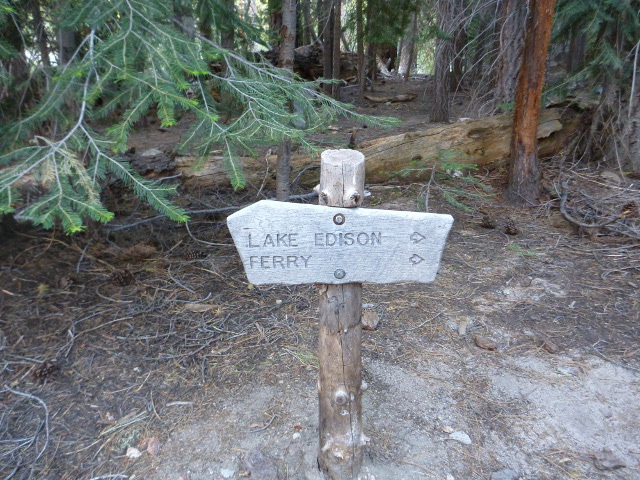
[293, 244]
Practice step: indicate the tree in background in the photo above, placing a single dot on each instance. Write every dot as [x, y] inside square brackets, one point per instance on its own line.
[524, 174]
[446, 14]
[130, 59]
[604, 42]
[287, 47]
[511, 29]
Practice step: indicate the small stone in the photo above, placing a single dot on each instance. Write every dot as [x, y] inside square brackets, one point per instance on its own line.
[549, 346]
[227, 472]
[133, 452]
[260, 466]
[153, 446]
[450, 477]
[462, 326]
[606, 460]
[460, 436]
[448, 429]
[370, 320]
[152, 152]
[296, 436]
[485, 343]
[505, 474]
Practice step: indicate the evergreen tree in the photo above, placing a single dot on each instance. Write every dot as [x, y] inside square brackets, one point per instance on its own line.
[133, 56]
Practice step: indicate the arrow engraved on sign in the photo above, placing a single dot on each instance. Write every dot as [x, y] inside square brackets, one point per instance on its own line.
[416, 259]
[417, 237]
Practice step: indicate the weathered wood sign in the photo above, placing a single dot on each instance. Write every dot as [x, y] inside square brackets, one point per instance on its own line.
[338, 246]
[294, 244]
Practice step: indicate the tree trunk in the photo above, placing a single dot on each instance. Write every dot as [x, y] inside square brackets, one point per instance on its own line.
[327, 43]
[476, 69]
[287, 47]
[66, 45]
[524, 174]
[577, 49]
[407, 48]
[362, 76]
[274, 7]
[459, 43]
[41, 34]
[511, 42]
[335, 43]
[443, 59]
[308, 33]
[227, 35]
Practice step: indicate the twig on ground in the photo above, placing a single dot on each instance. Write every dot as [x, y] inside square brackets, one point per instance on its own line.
[266, 426]
[46, 419]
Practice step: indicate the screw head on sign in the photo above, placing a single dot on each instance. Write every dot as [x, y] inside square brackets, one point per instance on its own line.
[339, 273]
[339, 219]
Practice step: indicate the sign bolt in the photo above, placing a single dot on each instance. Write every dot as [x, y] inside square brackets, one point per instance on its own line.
[339, 219]
[339, 273]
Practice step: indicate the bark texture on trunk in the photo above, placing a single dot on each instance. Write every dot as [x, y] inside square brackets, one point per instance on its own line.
[407, 48]
[511, 43]
[443, 59]
[335, 43]
[227, 35]
[524, 173]
[285, 60]
[362, 76]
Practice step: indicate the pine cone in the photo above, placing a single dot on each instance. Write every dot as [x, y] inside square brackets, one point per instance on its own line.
[488, 221]
[196, 254]
[122, 277]
[510, 228]
[630, 210]
[63, 282]
[44, 371]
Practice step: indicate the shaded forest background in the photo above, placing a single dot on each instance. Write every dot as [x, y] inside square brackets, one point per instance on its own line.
[76, 77]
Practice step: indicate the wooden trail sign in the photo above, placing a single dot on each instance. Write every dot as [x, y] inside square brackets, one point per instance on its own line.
[294, 244]
[338, 248]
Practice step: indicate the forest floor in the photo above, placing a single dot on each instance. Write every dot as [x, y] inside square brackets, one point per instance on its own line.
[139, 350]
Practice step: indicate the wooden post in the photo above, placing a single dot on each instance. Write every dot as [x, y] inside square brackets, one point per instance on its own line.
[340, 393]
[292, 244]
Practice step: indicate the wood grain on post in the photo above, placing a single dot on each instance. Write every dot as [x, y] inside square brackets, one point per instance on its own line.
[341, 436]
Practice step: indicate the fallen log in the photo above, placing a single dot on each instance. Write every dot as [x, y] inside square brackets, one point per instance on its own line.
[405, 97]
[406, 157]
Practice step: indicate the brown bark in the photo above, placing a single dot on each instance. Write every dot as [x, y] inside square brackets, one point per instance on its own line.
[511, 42]
[577, 50]
[275, 19]
[335, 43]
[484, 142]
[309, 33]
[443, 59]
[327, 43]
[407, 48]
[287, 47]
[362, 77]
[227, 35]
[340, 337]
[41, 34]
[524, 174]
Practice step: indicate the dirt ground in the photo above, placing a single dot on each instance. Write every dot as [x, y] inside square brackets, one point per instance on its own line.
[138, 350]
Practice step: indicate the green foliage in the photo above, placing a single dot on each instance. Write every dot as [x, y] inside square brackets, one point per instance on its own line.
[453, 180]
[133, 58]
[611, 29]
[520, 251]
